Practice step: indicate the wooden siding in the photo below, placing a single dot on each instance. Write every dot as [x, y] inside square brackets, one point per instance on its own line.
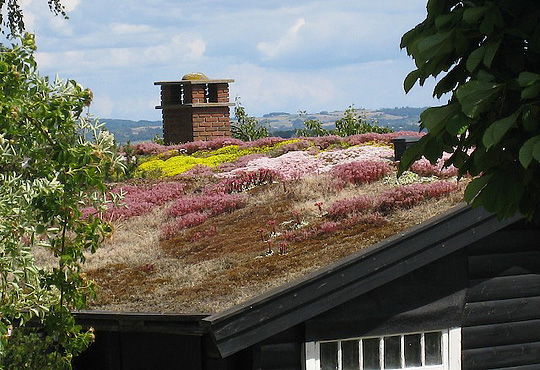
[430, 298]
[141, 351]
[501, 322]
[280, 352]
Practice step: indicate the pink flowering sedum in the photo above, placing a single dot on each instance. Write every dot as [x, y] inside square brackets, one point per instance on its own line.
[410, 195]
[423, 167]
[361, 172]
[139, 199]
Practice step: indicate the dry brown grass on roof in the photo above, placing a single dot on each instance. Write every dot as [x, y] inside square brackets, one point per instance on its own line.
[222, 262]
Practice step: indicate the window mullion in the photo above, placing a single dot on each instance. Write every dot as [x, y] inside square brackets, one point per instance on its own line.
[423, 349]
[340, 356]
[402, 350]
[381, 352]
[360, 354]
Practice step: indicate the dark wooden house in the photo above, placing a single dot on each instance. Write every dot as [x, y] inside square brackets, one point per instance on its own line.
[461, 291]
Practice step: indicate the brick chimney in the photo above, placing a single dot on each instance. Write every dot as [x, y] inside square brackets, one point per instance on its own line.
[195, 109]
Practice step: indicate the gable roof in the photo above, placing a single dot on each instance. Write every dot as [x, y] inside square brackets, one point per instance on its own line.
[270, 313]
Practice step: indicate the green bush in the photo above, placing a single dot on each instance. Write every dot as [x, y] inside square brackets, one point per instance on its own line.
[352, 124]
[246, 128]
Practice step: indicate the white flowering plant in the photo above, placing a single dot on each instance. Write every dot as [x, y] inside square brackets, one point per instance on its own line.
[48, 171]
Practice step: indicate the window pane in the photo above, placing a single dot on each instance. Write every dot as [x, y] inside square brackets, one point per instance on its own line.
[433, 348]
[349, 353]
[413, 351]
[329, 356]
[392, 352]
[370, 354]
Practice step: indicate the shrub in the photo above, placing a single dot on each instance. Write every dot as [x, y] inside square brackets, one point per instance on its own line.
[352, 124]
[361, 172]
[312, 127]
[246, 128]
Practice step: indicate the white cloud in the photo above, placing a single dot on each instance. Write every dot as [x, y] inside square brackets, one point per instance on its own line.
[122, 28]
[179, 49]
[263, 90]
[102, 106]
[272, 49]
[183, 49]
[70, 5]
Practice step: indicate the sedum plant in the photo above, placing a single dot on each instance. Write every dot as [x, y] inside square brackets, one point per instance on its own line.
[48, 171]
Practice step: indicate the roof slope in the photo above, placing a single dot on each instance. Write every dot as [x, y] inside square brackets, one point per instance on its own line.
[291, 304]
[227, 221]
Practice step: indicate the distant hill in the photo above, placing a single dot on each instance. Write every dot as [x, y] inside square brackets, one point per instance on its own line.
[133, 131]
[281, 123]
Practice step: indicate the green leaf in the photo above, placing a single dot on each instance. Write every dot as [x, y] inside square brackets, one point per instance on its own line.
[531, 92]
[475, 58]
[472, 15]
[488, 24]
[444, 20]
[413, 153]
[410, 80]
[497, 129]
[476, 96]
[528, 78]
[530, 118]
[435, 118]
[526, 152]
[475, 187]
[432, 45]
[491, 50]
[457, 124]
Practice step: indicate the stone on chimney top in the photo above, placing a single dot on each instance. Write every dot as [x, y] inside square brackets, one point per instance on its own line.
[195, 76]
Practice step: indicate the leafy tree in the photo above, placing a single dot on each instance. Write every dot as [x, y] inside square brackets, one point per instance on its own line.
[246, 128]
[47, 172]
[11, 15]
[488, 53]
[352, 124]
[312, 127]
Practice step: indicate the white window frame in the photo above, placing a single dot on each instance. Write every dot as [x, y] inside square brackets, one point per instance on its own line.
[451, 347]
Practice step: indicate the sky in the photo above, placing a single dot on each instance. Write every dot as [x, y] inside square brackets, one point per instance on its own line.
[284, 56]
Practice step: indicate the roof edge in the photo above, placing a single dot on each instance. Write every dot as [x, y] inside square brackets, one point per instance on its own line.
[186, 324]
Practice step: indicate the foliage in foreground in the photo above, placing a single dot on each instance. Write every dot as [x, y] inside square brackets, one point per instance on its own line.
[47, 171]
[490, 53]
